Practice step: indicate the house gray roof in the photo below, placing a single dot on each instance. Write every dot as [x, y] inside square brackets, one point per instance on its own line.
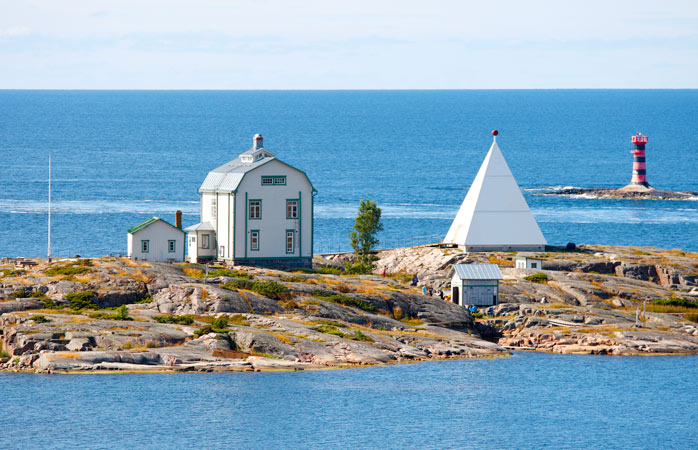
[478, 271]
[227, 178]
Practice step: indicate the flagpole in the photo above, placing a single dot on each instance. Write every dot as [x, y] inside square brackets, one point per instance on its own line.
[49, 207]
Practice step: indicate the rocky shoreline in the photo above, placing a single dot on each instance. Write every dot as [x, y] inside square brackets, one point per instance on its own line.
[113, 314]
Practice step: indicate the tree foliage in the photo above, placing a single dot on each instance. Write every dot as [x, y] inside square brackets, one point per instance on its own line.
[363, 239]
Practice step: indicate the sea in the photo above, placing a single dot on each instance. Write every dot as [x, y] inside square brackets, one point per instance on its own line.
[121, 157]
[526, 401]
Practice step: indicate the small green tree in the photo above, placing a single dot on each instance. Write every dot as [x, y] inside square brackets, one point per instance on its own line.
[363, 239]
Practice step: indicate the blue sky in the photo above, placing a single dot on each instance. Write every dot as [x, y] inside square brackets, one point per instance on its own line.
[358, 44]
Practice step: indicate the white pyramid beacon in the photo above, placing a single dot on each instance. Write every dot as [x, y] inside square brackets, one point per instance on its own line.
[494, 215]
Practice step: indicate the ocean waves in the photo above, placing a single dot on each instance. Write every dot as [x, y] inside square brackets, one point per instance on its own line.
[98, 207]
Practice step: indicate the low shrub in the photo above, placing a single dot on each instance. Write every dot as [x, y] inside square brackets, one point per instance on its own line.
[81, 300]
[293, 279]
[329, 329]
[478, 315]
[40, 319]
[343, 300]
[179, 320]
[358, 268]
[12, 273]
[146, 299]
[537, 278]
[359, 336]
[4, 354]
[121, 314]
[218, 325]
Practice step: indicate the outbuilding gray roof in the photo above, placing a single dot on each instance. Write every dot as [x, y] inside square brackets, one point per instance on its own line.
[201, 226]
[478, 271]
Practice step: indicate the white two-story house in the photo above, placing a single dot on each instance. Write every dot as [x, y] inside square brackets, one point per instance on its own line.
[255, 210]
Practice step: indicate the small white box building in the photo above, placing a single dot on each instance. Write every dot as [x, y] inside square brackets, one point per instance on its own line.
[527, 261]
[156, 240]
[475, 284]
[255, 210]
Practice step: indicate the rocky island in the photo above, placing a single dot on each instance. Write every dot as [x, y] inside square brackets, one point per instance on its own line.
[630, 192]
[115, 314]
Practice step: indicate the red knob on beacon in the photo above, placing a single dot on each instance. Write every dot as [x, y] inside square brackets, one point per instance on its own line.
[495, 132]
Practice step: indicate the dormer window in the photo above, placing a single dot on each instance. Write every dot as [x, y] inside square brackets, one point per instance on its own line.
[246, 159]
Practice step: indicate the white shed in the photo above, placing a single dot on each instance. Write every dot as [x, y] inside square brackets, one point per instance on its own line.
[475, 284]
[156, 240]
[525, 260]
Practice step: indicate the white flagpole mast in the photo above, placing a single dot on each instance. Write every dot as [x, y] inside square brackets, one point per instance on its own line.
[49, 207]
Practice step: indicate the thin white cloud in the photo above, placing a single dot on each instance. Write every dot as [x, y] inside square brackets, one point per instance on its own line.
[14, 31]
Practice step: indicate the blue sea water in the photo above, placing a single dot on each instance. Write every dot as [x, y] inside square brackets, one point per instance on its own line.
[120, 157]
[527, 401]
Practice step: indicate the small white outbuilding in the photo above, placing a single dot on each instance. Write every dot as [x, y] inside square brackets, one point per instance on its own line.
[526, 260]
[475, 284]
[156, 240]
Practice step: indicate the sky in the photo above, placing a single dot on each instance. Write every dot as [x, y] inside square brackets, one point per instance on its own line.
[357, 44]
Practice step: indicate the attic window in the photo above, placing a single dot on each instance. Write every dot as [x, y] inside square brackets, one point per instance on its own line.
[274, 181]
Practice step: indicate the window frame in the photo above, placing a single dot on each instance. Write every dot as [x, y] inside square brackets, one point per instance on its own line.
[205, 239]
[292, 234]
[145, 245]
[249, 208]
[288, 201]
[274, 180]
[171, 243]
[254, 233]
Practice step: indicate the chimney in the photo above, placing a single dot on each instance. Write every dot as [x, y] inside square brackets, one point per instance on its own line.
[257, 142]
[178, 219]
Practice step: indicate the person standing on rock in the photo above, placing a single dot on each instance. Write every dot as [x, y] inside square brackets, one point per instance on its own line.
[383, 272]
[424, 290]
[441, 294]
[415, 280]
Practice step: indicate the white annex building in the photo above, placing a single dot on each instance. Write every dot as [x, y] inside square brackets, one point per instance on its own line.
[494, 215]
[157, 240]
[255, 210]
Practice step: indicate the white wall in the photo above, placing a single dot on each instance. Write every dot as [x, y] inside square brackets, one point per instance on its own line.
[158, 233]
[273, 225]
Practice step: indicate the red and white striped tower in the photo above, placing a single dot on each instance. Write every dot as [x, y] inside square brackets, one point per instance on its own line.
[639, 165]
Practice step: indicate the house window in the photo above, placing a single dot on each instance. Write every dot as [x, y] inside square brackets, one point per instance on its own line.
[204, 240]
[291, 209]
[171, 246]
[255, 209]
[214, 208]
[254, 240]
[290, 240]
[145, 246]
[274, 181]
[534, 265]
[221, 251]
[192, 239]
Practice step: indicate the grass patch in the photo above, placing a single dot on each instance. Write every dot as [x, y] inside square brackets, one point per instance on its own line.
[293, 279]
[676, 301]
[668, 309]
[343, 300]
[401, 276]
[70, 269]
[12, 273]
[82, 300]
[4, 354]
[537, 278]
[270, 289]
[225, 272]
[412, 321]
[146, 299]
[329, 329]
[329, 270]
[477, 315]
[693, 317]
[179, 320]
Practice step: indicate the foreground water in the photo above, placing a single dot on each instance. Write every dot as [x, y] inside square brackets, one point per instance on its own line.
[525, 401]
[122, 156]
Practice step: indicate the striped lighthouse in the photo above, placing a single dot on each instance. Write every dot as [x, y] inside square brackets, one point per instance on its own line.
[639, 165]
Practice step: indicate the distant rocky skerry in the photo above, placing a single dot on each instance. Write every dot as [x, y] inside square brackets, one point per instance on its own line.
[113, 314]
[630, 192]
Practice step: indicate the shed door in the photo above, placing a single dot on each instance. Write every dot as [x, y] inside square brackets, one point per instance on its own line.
[455, 295]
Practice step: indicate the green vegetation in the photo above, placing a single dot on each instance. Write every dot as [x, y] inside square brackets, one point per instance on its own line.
[146, 299]
[329, 270]
[3, 354]
[225, 272]
[293, 279]
[478, 315]
[676, 301]
[363, 239]
[179, 320]
[12, 273]
[218, 325]
[81, 300]
[23, 293]
[40, 319]
[333, 330]
[270, 289]
[343, 300]
[537, 278]
[75, 268]
[121, 314]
